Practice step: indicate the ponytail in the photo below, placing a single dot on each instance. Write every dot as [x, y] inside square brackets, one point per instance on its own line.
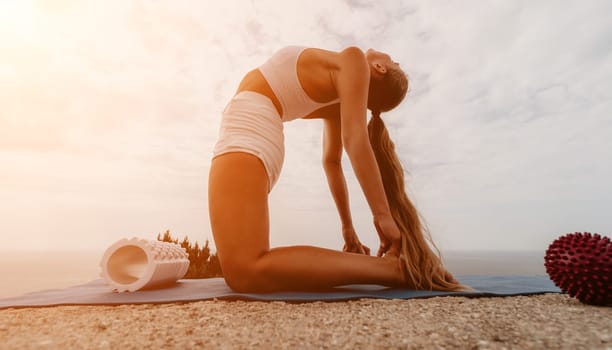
[422, 264]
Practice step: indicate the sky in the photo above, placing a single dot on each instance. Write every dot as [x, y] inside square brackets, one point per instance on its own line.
[109, 112]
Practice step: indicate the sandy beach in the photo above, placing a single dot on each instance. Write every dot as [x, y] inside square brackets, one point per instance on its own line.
[550, 321]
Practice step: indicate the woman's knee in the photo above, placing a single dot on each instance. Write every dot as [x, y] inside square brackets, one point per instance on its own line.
[242, 275]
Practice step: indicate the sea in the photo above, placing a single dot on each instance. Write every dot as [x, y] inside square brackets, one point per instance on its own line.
[25, 272]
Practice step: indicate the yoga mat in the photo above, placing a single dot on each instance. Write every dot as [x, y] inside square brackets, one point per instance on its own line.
[97, 292]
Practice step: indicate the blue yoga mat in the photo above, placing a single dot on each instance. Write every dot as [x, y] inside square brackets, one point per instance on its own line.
[97, 292]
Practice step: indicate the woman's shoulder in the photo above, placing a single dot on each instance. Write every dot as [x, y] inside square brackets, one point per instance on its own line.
[348, 51]
[353, 51]
[331, 58]
[354, 59]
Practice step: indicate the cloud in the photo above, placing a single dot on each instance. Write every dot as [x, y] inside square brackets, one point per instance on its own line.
[114, 107]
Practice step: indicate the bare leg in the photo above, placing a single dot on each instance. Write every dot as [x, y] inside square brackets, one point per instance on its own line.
[238, 206]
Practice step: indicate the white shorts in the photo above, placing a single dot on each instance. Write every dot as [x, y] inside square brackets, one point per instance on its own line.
[250, 123]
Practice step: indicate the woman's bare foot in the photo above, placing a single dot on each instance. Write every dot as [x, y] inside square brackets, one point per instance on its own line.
[396, 263]
[402, 280]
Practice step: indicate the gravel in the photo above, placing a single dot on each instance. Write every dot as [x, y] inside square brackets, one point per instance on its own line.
[549, 321]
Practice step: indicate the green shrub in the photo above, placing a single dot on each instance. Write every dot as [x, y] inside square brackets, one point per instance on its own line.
[202, 264]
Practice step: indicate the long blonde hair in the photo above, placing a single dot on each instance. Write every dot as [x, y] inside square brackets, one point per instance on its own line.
[421, 258]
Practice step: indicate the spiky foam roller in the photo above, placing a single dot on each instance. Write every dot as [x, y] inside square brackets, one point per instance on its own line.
[133, 264]
[581, 265]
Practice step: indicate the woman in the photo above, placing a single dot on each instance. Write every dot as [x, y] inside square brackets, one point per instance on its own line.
[337, 87]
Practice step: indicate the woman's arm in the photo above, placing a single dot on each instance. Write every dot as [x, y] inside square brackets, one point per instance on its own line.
[332, 164]
[352, 83]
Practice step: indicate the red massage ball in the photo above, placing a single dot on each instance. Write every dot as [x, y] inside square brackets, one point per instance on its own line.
[581, 265]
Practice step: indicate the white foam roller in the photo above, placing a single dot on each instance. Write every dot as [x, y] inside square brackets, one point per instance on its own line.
[133, 264]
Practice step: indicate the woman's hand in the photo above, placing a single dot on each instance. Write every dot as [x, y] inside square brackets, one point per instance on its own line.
[389, 234]
[352, 243]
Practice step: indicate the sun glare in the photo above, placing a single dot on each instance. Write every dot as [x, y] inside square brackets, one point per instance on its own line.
[17, 19]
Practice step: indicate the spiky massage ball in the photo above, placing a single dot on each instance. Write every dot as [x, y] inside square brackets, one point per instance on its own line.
[581, 265]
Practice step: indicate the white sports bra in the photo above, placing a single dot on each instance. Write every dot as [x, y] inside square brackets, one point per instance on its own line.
[280, 71]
